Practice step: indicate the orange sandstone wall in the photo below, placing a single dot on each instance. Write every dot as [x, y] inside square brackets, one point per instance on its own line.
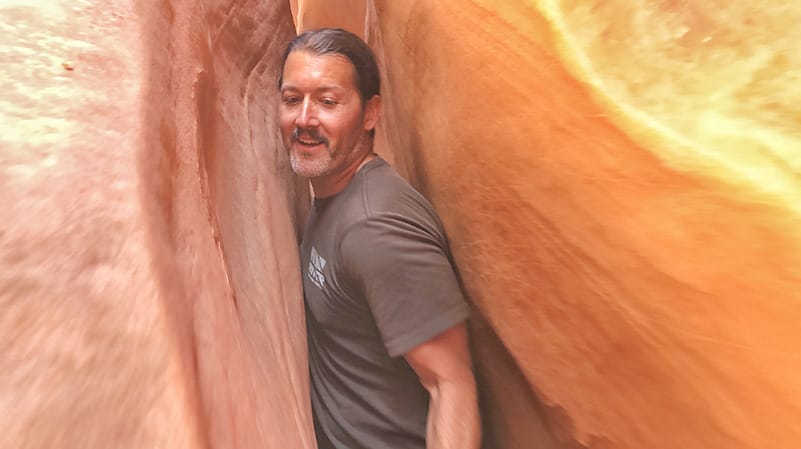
[620, 183]
[148, 272]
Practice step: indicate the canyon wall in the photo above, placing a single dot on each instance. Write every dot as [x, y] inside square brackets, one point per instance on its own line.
[149, 273]
[620, 184]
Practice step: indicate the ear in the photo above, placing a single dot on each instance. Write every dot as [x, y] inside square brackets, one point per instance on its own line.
[372, 111]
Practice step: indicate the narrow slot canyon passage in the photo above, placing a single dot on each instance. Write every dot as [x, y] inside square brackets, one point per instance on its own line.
[620, 185]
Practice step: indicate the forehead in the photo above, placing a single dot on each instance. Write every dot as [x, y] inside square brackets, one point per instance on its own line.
[304, 69]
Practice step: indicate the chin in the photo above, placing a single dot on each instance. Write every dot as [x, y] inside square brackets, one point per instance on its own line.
[309, 168]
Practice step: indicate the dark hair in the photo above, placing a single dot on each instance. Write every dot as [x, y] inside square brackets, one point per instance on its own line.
[336, 41]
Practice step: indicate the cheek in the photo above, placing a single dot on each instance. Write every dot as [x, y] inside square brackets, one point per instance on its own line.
[348, 126]
[286, 123]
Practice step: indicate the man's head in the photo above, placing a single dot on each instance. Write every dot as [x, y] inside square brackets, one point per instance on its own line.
[330, 101]
[335, 41]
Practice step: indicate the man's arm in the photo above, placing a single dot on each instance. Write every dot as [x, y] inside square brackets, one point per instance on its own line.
[445, 370]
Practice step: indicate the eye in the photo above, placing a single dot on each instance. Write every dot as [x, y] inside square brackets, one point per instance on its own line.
[290, 100]
[329, 101]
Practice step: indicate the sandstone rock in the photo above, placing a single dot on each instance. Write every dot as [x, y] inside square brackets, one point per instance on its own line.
[149, 276]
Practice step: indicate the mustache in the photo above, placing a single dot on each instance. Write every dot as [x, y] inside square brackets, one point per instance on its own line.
[310, 133]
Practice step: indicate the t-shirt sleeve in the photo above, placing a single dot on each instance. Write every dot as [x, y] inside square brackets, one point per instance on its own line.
[402, 269]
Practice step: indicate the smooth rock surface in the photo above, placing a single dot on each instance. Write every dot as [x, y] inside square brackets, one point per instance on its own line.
[148, 274]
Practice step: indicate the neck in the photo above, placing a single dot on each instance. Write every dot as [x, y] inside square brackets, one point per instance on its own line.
[328, 186]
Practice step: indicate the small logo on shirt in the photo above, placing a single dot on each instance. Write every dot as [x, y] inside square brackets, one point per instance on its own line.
[315, 271]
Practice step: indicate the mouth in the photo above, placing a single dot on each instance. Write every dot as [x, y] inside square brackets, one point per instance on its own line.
[308, 138]
[309, 142]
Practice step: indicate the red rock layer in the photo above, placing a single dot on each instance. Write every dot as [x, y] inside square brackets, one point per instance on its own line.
[149, 273]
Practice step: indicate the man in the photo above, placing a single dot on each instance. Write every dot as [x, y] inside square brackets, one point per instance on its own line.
[388, 352]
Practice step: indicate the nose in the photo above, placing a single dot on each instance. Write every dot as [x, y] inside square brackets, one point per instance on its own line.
[307, 116]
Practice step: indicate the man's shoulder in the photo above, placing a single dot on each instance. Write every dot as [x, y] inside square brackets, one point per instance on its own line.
[387, 192]
[379, 200]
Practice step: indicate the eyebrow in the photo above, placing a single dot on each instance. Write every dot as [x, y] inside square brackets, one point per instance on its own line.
[323, 88]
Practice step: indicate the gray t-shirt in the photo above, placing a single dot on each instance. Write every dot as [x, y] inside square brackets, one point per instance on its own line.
[378, 281]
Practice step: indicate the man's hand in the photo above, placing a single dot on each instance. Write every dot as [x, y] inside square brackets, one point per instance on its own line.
[445, 370]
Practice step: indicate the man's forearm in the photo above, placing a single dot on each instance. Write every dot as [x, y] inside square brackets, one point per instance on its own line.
[453, 417]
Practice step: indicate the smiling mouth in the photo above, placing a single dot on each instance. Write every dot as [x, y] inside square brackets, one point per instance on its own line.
[308, 143]
[310, 137]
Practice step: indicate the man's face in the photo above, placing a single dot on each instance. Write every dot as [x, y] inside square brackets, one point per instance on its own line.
[321, 116]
